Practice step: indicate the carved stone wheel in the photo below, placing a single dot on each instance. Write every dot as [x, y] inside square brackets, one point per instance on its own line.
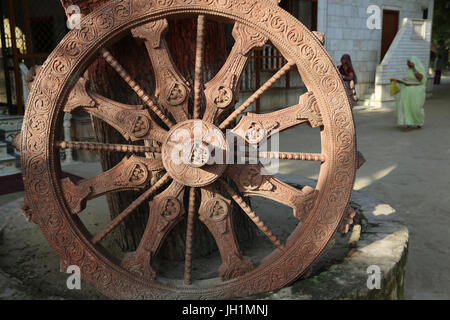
[55, 204]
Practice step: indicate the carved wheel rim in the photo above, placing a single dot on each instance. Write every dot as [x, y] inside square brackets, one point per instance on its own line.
[53, 201]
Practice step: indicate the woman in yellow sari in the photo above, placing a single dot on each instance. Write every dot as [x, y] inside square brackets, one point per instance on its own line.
[411, 98]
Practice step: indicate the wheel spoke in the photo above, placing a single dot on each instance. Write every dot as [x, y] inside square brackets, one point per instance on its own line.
[189, 238]
[194, 156]
[254, 128]
[136, 88]
[136, 203]
[199, 65]
[287, 156]
[215, 213]
[251, 182]
[132, 173]
[256, 95]
[133, 122]
[166, 210]
[252, 215]
[91, 146]
[222, 91]
[172, 90]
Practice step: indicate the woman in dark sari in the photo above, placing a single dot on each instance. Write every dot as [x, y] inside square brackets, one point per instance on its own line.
[349, 76]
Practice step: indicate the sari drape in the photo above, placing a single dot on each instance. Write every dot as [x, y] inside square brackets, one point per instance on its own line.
[410, 100]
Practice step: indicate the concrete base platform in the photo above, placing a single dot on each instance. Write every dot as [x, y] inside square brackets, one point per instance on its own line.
[340, 273]
[383, 247]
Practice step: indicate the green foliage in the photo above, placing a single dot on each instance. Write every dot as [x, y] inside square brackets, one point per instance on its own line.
[441, 24]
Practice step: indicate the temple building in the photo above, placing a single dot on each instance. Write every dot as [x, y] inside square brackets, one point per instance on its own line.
[379, 35]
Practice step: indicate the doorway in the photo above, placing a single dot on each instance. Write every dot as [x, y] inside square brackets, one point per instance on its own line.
[389, 31]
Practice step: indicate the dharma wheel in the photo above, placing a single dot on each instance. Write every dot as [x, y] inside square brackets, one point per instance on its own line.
[56, 204]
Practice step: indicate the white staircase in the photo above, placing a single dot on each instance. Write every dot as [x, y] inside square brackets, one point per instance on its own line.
[413, 39]
[367, 101]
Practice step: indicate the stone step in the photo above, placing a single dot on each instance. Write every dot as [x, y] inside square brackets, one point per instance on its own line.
[370, 91]
[6, 148]
[3, 148]
[9, 165]
[8, 134]
[11, 122]
[365, 103]
[3, 110]
[373, 104]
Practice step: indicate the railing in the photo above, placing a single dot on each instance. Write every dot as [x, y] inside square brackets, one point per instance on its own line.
[266, 60]
[271, 59]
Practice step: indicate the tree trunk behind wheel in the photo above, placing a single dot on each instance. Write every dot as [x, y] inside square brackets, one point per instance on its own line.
[132, 54]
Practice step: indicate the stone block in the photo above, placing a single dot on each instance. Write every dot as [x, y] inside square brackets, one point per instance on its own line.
[383, 243]
[3, 149]
[334, 21]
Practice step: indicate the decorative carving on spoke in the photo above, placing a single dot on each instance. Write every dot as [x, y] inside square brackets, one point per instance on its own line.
[258, 93]
[136, 87]
[198, 72]
[132, 173]
[222, 91]
[254, 128]
[189, 237]
[136, 174]
[215, 213]
[223, 97]
[133, 206]
[251, 181]
[258, 131]
[93, 146]
[166, 210]
[75, 196]
[133, 122]
[172, 89]
[252, 215]
[176, 94]
[309, 110]
[218, 211]
[169, 209]
[79, 97]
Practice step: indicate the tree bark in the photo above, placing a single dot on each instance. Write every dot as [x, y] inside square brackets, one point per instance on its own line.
[104, 80]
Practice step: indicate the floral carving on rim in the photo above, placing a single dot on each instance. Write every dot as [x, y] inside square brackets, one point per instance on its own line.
[52, 87]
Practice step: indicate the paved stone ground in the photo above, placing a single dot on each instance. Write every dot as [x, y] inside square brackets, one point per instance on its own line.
[29, 266]
[383, 243]
[411, 172]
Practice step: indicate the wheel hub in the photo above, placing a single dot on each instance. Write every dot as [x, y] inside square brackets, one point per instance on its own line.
[197, 154]
[194, 153]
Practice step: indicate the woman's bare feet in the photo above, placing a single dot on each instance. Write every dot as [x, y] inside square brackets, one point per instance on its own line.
[407, 129]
